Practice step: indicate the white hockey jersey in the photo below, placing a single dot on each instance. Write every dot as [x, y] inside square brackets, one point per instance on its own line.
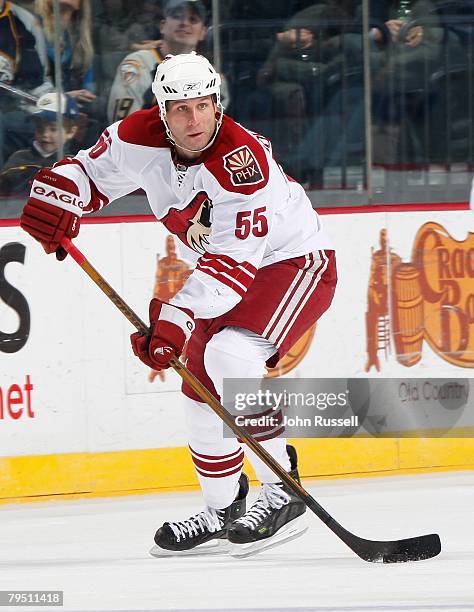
[132, 83]
[234, 206]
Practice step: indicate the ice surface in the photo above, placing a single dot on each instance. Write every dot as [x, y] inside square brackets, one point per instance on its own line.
[96, 550]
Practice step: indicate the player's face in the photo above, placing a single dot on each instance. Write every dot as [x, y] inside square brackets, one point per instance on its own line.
[183, 27]
[192, 123]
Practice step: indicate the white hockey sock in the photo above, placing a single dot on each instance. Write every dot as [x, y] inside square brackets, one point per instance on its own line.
[277, 449]
[217, 460]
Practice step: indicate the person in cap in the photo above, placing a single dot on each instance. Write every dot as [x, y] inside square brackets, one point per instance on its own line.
[20, 167]
[182, 28]
[264, 272]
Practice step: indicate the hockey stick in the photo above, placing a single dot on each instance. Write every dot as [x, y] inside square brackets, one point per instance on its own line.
[19, 93]
[395, 551]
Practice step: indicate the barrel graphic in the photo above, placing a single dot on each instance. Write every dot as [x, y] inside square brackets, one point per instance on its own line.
[407, 312]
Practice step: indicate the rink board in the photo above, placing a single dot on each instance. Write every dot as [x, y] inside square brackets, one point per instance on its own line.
[78, 415]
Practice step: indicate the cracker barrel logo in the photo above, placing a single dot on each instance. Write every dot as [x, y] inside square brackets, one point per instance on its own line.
[428, 299]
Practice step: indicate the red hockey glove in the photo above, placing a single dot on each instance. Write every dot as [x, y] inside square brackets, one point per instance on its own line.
[171, 328]
[52, 211]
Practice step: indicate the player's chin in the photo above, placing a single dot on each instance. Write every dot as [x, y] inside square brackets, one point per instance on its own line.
[198, 142]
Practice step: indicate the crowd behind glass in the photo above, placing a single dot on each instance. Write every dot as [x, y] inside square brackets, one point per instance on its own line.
[293, 71]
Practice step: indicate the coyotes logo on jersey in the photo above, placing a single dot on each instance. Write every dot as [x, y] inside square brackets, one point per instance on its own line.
[192, 225]
[243, 167]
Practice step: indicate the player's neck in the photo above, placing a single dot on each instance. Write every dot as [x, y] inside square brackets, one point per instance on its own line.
[187, 156]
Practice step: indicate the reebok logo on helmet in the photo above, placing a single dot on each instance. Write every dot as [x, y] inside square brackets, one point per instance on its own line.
[192, 86]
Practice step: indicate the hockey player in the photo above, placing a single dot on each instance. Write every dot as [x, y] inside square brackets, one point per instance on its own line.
[265, 272]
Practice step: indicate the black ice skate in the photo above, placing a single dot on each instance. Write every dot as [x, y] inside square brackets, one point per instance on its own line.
[275, 517]
[203, 533]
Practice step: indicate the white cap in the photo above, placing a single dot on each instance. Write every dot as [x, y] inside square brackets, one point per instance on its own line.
[47, 106]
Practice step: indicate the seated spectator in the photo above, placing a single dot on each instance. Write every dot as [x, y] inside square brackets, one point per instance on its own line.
[399, 65]
[22, 65]
[399, 87]
[77, 51]
[77, 55]
[182, 29]
[448, 137]
[42, 152]
[291, 84]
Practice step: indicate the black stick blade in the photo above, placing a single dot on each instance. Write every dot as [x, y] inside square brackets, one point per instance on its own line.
[390, 551]
[413, 549]
[396, 551]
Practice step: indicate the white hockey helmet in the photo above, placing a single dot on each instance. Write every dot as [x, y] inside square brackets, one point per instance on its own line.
[183, 77]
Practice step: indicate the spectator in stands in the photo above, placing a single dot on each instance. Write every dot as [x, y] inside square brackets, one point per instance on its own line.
[77, 52]
[400, 57]
[291, 83]
[182, 29]
[398, 102]
[396, 13]
[42, 152]
[448, 137]
[22, 65]
[77, 61]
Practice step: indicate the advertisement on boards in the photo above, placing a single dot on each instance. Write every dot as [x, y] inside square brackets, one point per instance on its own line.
[404, 307]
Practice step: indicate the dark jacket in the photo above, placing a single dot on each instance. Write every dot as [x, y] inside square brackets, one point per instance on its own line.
[17, 44]
[18, 172]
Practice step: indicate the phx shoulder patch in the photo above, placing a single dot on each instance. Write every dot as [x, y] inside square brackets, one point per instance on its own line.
[243, 167]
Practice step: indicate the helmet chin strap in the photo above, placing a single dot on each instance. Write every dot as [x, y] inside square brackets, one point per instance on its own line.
[169, 134]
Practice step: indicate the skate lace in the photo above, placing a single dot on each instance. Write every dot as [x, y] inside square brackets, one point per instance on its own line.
[208, 519]
[272, 497]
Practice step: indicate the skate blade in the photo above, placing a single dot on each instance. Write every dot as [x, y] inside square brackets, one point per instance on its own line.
[292, 530]
[213, 547]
